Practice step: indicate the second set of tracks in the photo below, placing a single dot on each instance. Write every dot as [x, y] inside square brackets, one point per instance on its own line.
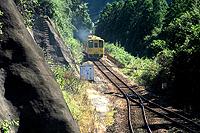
[130, 95]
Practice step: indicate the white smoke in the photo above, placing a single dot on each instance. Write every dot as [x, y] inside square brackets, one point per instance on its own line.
[82, 34]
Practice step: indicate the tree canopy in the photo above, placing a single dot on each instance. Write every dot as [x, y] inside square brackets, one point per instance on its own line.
[168, 31]
[181, 37]
[129, 21]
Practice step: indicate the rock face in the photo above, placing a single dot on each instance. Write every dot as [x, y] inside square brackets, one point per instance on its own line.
[46, 35]
[28, 90]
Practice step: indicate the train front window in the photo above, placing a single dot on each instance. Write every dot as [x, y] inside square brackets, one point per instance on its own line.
[90, 44]
[95, 45]
[100, 44]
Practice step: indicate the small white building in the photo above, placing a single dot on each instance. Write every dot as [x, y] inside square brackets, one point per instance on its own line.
[87, 71]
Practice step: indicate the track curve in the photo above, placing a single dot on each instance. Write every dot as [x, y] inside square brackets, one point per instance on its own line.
[128, 92]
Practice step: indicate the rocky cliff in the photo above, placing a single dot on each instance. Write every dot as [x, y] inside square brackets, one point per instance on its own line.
[49, 39]
[28, 89]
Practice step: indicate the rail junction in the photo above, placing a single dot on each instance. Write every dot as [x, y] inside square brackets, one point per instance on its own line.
[179, 121]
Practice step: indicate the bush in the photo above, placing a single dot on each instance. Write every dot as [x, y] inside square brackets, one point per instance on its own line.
[76, 97]
[178, 55]
[141, 70]
[118, 52]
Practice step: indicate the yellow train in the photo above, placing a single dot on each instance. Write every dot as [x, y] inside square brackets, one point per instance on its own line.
[93, 47]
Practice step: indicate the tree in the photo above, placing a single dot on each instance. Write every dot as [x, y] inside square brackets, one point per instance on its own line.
[80, 19]
[182, 36]
[177, 8]
[104, 24]
[129, 21]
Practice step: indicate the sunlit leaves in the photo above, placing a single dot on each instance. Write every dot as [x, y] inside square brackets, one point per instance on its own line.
[185, 31]
[6, 127]
[142, 70]
[129, 21]
[1, 25]
[80, 19]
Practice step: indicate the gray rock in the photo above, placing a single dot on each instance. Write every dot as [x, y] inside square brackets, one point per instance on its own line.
[47, 36]
[29, 92]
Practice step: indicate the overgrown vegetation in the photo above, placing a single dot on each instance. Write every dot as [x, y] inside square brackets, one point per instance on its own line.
[109, 120]
[1, 25]
[69, 16]
[77, 49]
[165, 37]
[26, 9]
[128, 22]
[76, 97]
[181, 39]
[141, 70]
[6, 127]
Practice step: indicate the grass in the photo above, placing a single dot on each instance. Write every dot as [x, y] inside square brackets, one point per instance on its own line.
[81, 110]
[76, 97]
[109, 120]
[6, 127]
[141, 70]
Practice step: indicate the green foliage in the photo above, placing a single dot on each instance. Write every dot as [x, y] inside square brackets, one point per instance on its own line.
[63, 12]
[26, 9]
[158, 45]
[178, 51]
[109, 21]
[95, 7]
[109, 120]
[81, 109]
[183, 36]
[118, 52]
[177, 8]
[130, 21]
[74, 93]
[77, 49]
[68, 16]
[5, 126]
[1, 25]
[141, 70]
[60, 12]
[65, 78]
[184, 32]
[80, 19]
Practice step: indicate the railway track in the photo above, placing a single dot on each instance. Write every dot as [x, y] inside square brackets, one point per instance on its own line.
[130, 95]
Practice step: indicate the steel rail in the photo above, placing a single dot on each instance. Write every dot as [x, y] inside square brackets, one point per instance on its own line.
[128, 103]
[141, 103]
[170, 111]
[164, 116]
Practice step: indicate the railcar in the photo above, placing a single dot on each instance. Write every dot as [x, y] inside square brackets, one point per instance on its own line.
[93, 47]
